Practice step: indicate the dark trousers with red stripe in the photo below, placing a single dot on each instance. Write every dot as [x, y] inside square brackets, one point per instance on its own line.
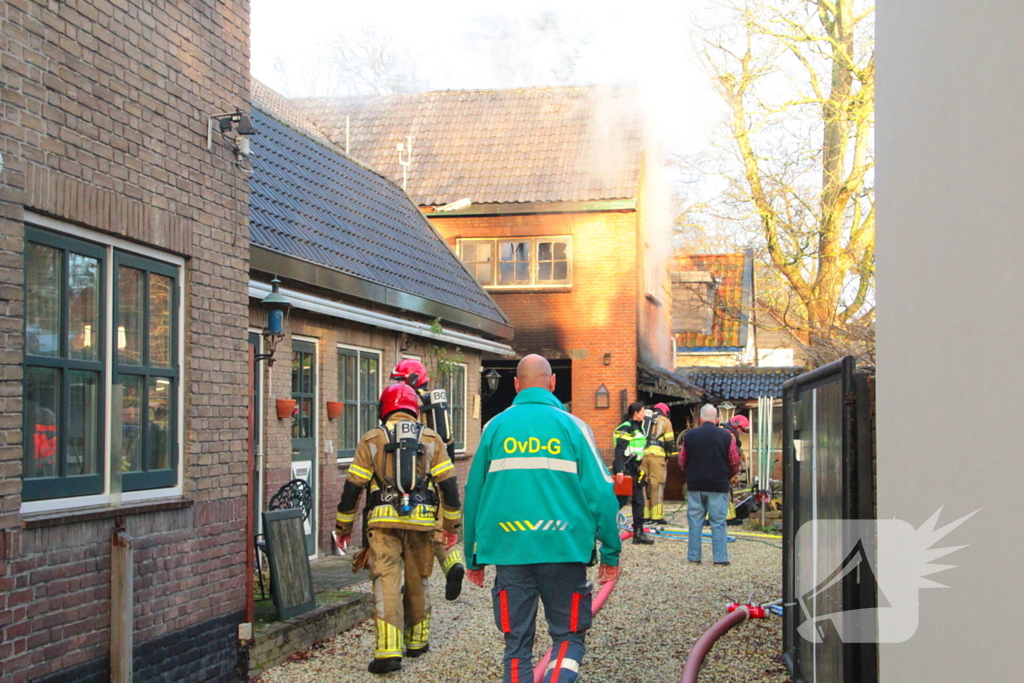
[566, 593]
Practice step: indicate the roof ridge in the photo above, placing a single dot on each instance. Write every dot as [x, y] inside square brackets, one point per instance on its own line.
[450, 91]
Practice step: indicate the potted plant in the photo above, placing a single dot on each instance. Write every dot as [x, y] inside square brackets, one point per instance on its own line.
[334, 409]
[285, 408]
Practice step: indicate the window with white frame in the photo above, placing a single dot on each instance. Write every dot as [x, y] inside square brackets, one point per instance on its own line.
[359, 389]
[101, 327]
[455, 384]
[519, 262]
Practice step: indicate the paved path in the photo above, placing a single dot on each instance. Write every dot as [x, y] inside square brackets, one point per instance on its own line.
[659, 609]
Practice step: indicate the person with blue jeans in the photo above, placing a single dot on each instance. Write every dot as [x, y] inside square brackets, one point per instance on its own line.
[710, 459]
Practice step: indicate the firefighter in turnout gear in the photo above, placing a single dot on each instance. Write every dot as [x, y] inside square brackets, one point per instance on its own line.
[661, 443]
[434, 413]
[630, 441]
[411, 484]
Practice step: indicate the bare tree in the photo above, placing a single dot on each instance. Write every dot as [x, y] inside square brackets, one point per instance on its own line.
[529, 51]
[368, 62]
[797, 79]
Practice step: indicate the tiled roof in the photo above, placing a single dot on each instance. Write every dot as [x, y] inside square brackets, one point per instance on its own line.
[740, 384]
[727, 329]
[309, 201]
[565, 144]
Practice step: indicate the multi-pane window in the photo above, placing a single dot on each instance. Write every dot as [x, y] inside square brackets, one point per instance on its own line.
[523, 262]
[146, 374]
[303, 389]
[479, 260]
[455, 385]
[359, 390]
[552, 261]
[74, 322]
[513, 263]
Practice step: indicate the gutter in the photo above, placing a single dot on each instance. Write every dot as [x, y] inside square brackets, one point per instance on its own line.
[296, 269]
[335, 309]
[513, 208]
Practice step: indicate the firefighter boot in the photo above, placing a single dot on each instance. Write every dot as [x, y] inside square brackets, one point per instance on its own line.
[639, 537]
[385, 665]
[453, 585]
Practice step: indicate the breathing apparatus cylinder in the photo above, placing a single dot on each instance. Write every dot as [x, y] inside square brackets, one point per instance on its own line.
[435, 408]
[648, 423]
[406, 446]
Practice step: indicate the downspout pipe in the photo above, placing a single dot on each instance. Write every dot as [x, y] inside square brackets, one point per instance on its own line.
[599, 600]
[703, 646]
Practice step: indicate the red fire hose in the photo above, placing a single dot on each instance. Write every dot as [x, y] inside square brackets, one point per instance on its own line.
[737, 614]
[599, 600]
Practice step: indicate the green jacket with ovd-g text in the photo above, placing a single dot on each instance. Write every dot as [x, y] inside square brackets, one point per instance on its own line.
[538, 490]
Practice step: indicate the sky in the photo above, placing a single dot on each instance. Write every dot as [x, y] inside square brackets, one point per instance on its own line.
[460, 44]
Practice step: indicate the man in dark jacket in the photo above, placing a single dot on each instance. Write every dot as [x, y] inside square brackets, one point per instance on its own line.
[710, 458]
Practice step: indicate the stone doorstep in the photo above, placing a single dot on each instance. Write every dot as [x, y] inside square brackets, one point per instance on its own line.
[275, 642]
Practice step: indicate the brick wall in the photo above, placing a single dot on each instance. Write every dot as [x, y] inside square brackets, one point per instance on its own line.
[329, 333]
[596, 316]
[104, 119]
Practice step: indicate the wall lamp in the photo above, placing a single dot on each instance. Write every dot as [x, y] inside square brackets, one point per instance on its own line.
[276, 306]
[492, 377]
[224, 124]
[601, 398]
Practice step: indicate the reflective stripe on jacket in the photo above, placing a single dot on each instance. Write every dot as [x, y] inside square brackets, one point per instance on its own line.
[538, 490]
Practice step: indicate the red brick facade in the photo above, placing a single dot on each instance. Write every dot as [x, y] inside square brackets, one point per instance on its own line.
[329, 333]
[104, 110]
[599, 314]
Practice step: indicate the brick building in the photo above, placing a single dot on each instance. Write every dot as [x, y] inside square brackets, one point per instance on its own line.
[123, 278]
[370, 282]
[554, 200]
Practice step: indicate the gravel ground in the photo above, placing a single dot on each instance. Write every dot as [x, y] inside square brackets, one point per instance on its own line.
[660, 607]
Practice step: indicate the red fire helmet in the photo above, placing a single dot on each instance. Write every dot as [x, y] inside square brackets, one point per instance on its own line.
[412, 372]
[741, 423]
[662, 407]
[398, 397]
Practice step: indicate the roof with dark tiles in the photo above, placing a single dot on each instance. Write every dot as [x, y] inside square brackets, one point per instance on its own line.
[310, 201]
[740, 383]
[549, 144]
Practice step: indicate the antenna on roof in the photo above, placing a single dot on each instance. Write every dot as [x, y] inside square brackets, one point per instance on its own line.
[408, 160]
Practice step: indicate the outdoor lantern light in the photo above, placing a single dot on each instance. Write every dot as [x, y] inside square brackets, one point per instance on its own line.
[602, 397]
[274, 331]
[726, 411]
[492, 377]
[241, 122]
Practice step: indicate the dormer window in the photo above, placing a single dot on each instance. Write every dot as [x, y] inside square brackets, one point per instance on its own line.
[693, 302]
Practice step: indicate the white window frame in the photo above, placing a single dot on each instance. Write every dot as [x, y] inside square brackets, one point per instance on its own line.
[465, 406]
[110, 497]
[380, 386]
[533, 241]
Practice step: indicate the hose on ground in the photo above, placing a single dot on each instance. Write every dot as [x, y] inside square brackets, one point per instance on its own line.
[700, 650]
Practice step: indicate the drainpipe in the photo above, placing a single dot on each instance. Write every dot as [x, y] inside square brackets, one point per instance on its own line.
[121, 607]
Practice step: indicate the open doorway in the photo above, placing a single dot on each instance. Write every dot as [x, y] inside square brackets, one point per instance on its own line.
[505, 393]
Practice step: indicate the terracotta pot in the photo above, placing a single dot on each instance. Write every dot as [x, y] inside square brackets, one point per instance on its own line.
[334, 409]
[285, 407]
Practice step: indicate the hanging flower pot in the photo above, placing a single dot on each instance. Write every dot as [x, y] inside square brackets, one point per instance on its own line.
[334, 409]
[285, 408]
